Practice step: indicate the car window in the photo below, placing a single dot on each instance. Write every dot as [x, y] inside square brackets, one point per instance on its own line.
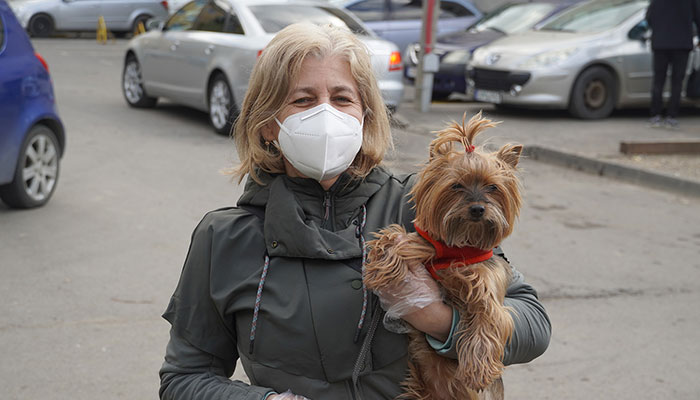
[273, 18]
[515, 17]
[216, 17]
[369, 10]
[595, 16]
[406, 9]
[449, 9]
[185, 17]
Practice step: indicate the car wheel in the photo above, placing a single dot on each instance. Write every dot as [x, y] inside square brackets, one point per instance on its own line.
[141, 19]
[439, 96]
[36, 173]
[132, 85]
[222, 108]
[41, 25]
[593, 95]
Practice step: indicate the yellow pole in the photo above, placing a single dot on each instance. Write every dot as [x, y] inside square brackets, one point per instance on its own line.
[101, 30]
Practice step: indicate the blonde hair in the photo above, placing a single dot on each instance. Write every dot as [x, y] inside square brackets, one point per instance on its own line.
[277, 68]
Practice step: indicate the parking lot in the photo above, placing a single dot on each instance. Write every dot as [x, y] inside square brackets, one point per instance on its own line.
[86, 277]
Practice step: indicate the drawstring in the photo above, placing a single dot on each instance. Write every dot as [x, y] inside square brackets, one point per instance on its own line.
[261, 284]
[358, 234]
[258, 296]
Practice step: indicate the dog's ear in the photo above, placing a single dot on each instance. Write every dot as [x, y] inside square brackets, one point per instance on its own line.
[510, 154]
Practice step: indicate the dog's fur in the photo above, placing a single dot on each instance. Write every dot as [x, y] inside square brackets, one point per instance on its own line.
[451, 182]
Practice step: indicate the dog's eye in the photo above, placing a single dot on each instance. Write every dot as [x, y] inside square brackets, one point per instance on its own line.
[457, 186]
[491, 188]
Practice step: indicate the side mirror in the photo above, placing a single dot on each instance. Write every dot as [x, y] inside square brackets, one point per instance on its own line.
[640, 31]
[154, 24]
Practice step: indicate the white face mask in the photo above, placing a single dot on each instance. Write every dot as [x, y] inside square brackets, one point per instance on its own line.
[320, 142]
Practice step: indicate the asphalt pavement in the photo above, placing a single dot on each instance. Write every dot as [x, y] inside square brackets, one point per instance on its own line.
[85, 278]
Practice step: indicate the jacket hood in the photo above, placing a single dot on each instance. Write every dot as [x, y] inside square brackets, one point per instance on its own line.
[303, 220]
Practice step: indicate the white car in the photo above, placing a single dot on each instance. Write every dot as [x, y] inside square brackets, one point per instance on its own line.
[590, 59]
[174, 5]
[43, 17]
[203, 55]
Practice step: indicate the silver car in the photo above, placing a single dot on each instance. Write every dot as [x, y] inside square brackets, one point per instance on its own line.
[44, 17]
[590, 60]
[203, 55]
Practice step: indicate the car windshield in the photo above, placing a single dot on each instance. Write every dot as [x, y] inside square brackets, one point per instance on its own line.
[515, 18]
[274, 18]
[595, 16]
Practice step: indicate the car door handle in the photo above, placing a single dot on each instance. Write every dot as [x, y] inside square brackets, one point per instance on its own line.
[209, 49]
[173, 45]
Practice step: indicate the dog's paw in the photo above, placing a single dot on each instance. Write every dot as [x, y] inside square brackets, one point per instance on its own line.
[384, 264]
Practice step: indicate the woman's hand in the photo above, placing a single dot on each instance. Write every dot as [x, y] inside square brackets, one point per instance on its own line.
[418, 301]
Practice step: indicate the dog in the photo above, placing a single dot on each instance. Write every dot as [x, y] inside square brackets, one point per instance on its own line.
[466, 202]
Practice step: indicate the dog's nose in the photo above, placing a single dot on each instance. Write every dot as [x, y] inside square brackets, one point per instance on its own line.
[476, 211]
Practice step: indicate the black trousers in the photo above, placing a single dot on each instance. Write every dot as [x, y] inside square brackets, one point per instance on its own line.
[678, 60]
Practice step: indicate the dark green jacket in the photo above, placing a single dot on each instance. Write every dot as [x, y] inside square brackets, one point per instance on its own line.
[310, 303]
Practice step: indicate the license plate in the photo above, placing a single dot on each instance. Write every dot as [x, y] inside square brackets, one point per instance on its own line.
[487, 96]
[411, 72]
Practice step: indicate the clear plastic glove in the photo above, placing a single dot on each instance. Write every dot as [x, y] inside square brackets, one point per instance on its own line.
[417, 291]
[288, 395]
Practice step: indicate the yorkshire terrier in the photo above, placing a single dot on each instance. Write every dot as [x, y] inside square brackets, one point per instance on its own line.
[466, 202]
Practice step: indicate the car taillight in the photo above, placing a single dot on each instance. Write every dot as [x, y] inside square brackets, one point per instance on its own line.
[43, 62]
[395, 61]
[164, 4]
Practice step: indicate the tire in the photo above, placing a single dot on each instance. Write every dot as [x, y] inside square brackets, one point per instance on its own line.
[441, 96]
[41, 25]
[143, 18]
[132, 85]
[36, 173]
[222, 107]
[594, 94]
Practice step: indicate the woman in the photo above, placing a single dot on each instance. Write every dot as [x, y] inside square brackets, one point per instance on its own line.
[277, 280]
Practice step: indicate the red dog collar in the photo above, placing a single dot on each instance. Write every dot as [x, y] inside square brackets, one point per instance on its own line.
[445, 256]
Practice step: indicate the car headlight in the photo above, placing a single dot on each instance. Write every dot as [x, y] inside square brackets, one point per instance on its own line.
[548, 58]
[457, 57]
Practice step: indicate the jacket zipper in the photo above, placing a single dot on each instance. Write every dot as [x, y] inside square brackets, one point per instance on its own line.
[328, 220]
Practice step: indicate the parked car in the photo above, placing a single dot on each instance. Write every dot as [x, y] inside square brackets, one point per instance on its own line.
[590, 59]
[174, 5]
[203, 55]
[455, 49]
[399, 21]
[32, 139]
[42, 18]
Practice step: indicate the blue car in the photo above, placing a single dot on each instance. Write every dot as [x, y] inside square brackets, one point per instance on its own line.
[399, 21]
[32, 138]
[455, 49]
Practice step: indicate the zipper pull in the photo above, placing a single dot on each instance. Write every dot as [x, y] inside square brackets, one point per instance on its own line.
[327, 205]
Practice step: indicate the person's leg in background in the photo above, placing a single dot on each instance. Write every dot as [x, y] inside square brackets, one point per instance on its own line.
[661, 60]
[679, 62]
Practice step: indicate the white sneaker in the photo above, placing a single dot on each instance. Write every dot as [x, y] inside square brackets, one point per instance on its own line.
[672, 124]
[655, 122]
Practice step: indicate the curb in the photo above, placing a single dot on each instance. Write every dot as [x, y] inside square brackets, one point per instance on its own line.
[608, 169]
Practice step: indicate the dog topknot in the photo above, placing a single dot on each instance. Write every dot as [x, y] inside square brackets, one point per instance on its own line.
[463, 134]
